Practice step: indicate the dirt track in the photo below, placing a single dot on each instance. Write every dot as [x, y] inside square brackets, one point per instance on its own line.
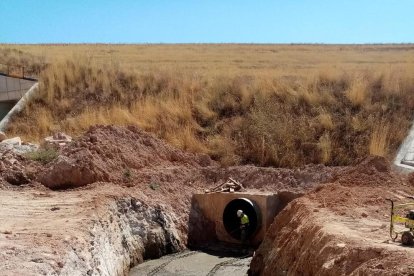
[193, 263]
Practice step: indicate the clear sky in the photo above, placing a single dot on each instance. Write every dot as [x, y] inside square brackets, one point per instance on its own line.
[206, 21]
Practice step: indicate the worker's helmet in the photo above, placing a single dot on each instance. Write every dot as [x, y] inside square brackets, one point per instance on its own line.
[239, 213]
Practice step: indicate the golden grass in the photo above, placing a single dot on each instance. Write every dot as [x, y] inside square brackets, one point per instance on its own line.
[271, 105]
[325, 119]
[378, 144]
[234, 59]
[358, 91]
[326, 148]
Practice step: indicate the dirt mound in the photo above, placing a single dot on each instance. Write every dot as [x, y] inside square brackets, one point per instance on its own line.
[302, 241]
[339, 228]
[298, 180]
[72, 172]
[371, 171]
[366, 185]
[15, 169]
[373, 163]
[118, 155]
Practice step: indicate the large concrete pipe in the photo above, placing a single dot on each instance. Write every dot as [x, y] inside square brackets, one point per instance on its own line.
[214, 215]
[232, 222]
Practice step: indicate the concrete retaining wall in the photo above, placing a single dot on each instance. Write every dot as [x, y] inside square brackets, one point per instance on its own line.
[405, 155]
[18, 107]
[12, 89]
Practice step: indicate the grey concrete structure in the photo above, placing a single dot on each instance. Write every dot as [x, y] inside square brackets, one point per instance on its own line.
[405, 156]
[212, 206]
[13, 89]
[14, 94]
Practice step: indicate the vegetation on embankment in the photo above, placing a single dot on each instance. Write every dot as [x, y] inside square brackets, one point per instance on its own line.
[331, 117]
[10, 57]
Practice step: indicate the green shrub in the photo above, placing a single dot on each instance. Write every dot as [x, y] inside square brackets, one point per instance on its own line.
[43, 155]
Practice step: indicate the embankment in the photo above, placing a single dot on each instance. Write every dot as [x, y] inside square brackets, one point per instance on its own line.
[341, 228]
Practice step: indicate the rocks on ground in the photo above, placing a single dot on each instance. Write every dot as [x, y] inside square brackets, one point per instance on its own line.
[58, 139]
[16, 145]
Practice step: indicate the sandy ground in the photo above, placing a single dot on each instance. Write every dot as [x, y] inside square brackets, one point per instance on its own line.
[40, 229]
[193, 263]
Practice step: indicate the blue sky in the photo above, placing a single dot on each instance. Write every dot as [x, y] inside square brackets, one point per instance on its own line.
[208, 21]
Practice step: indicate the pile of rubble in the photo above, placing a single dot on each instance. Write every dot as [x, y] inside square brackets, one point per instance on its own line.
[15, 144]
[59, 139]
[230, 186]
[16, 165]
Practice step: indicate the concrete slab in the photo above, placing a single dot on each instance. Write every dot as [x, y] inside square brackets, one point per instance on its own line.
[18, 106]
[12, 88]
[404, 159]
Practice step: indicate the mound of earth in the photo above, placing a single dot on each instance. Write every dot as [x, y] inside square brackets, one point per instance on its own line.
[15, 169]
[114, 197]
[339, 228]
[118, 155]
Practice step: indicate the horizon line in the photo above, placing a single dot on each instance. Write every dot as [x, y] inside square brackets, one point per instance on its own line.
[208, 43]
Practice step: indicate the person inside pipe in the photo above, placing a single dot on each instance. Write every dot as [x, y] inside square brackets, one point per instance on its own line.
[244, 225]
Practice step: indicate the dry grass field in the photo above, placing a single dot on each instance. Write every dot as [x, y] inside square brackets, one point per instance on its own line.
[272, 105]
[235, 59]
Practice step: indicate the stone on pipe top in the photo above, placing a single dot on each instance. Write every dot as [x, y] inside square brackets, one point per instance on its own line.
[59, 139]
[16, 141]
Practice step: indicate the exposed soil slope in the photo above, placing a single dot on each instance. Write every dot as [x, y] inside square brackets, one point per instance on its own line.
[129, 199]
[341, 228]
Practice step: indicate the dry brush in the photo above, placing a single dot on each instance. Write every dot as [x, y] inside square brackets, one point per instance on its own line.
[329, 117]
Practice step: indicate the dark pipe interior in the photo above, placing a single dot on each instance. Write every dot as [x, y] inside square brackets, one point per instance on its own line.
[232, 222]
[5, 107]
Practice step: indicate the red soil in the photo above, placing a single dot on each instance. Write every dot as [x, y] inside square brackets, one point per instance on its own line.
[340, 228]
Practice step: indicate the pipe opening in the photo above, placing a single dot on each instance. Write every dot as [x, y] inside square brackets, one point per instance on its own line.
[232, 222]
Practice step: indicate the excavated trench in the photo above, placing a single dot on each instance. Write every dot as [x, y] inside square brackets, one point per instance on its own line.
[126, 233]
[134, 207]
[130, 232]
[214, 235]
[131, 205]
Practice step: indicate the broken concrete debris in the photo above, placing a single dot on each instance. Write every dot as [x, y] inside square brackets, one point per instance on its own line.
[17, 146]
[58, 139]
[16, 141]
[229, 186]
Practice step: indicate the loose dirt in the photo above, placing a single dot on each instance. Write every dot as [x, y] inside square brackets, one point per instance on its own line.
[340, 228]
[118, 196]
[114, 197]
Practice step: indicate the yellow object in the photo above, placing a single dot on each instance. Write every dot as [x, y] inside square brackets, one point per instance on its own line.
[407, 235]
[244, 219]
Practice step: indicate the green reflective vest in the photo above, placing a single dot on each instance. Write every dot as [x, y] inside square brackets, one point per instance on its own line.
[244, 219]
